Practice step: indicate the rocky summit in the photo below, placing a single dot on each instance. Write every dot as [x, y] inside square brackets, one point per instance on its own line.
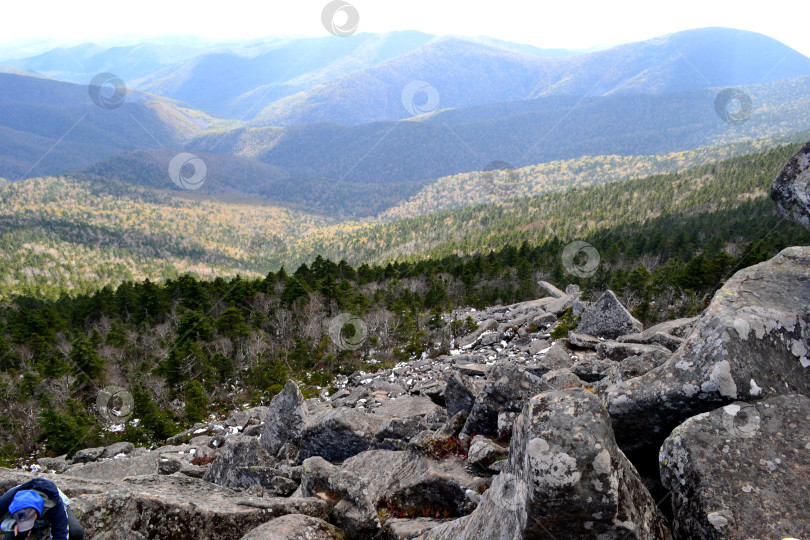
[692, 429]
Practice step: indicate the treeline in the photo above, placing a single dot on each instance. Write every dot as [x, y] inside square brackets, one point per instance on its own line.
[186, 348]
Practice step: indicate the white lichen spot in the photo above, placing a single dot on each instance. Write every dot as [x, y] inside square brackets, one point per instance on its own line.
[717, 521]
[555, 469]
[683, 365]
[742, 327]
[732, 409]
[798, 348]
[601, 463]
[721, 377]
[690, 390]
[747, 489]
[755, 389]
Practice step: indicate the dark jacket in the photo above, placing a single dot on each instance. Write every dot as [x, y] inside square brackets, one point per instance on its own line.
[56, 516]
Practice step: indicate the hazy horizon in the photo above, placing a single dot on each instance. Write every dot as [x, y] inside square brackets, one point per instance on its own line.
[584, 26]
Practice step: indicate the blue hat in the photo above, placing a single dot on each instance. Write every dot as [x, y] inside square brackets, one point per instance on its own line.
[24, 501]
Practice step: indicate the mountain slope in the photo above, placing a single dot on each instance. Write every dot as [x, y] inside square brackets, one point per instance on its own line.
[59, 234]
[240, 83]
[49, 127]
[520, 133]
[467, 74]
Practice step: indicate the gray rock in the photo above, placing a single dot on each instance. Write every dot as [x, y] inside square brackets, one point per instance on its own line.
[469, 339]
[583, 341]
[560, 379]
[87, 455]
[165, 507]
[354, 508]
[116, 469]
[565, 478]
[453, 426]
[410, 480]
[243, 464]
[402, 429]
[473, 370]
[593, 369]
[339, 434]
[552, 291]
[459, 395]
[791, 189]
[608, 318]
[507, 388]
[616, 351]
[741, 471]
[407, 529]
[295, 527]
[669, 334]
[407, 407]
[558, 357]
[117, 449]
[56, 464]
[537, 345]
[483, 452]
[752, 342]
[285, 419]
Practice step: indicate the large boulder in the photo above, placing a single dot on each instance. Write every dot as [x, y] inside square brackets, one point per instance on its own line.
[752, 342]
[608, 318]
[459, 395]
[285, 419]
[246, 463]
[115, 469]
[167, 507]
[353, 507]
[339, 434]
[408, 481]
[617, 351]
[669, 334]
[295, 527]
[741, 471]
[565, 478]
[506, 390]
[791, 189]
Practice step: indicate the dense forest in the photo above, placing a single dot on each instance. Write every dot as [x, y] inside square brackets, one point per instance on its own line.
[60, 235]
[188, 348]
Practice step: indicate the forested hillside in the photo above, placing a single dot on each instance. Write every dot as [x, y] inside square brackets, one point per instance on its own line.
[61, 235]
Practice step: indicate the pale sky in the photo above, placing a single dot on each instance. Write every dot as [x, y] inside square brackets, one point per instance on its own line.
[572, 24]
